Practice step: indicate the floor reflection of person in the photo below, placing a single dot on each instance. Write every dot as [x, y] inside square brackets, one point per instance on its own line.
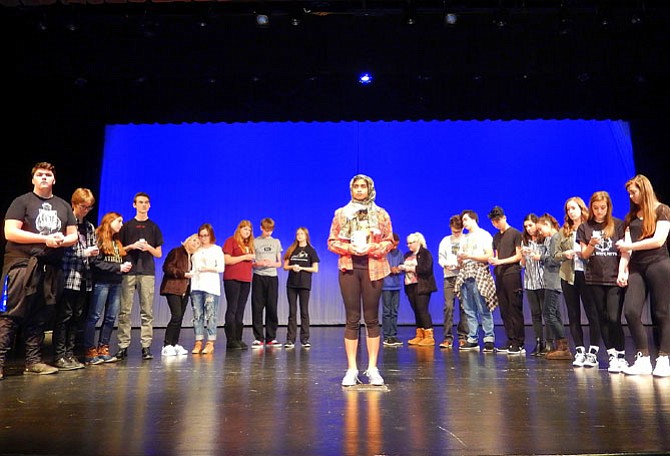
[361, 234]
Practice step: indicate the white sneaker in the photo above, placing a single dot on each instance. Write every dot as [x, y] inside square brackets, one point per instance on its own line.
[642, 366]
[179, 350]
[350, 378]
[168, 350]
[617, 365]
[580, 357]
[591, 360]
[662, 368]
[374, 377]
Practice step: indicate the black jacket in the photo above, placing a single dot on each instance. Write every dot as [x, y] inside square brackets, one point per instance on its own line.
[424, 271]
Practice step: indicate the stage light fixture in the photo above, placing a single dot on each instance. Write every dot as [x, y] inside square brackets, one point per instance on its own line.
[451, 19]
[262, 20]
[365, 79]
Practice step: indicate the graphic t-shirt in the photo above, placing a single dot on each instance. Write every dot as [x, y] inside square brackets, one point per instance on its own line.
[602, 267]
[304, 257]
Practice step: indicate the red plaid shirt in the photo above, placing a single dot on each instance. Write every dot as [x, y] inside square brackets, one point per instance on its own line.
[378, 265]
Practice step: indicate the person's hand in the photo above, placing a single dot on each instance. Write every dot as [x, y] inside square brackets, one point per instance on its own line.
[126, 266]
[249, 257]
[624, 246]
[569, 254]
[622, 279]
[91, 251]
[54, 240]
[188, 274]
[296, 268]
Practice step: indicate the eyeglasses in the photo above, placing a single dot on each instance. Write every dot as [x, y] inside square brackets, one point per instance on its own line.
[85, 207]
[204, 235]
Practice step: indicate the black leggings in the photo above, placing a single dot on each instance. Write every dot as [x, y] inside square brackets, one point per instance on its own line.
[177, 305]
[572, 295]
[652, 279]
[355, 287]
[608, 301]
[419, 303]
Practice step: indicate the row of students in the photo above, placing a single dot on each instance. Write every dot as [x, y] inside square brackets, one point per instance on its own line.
[587, 260]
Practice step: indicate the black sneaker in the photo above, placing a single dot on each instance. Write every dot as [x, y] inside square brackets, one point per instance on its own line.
[514, 350]
[504, 350]
[388, 342]
[396, 342]
[469, 346]
[121, 354]
[146, 353]
[233, 345]
[305, 344]
[489, 347]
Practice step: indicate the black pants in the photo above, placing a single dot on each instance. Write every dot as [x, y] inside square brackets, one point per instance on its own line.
[652, 280]
[69, 312]
[572, 295]
[510, 300]
[608, 301]
[264, 296]
[419, 303]
[237, 293]
[293, 295]
[177, 306]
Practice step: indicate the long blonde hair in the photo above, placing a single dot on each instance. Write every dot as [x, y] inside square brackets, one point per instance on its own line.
[608, 231]
[569, 225]
[647, 206]
[107, 238]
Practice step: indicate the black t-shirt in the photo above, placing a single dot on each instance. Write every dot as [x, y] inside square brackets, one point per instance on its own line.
[43, 216]
[602, 267]
[304, 257]
[645, 257]
[505, 245]
[133, 231]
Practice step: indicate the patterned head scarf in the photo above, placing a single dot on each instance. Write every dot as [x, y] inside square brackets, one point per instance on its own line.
[355, 208]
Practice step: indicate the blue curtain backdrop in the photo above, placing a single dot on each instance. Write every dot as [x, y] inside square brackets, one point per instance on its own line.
[298, 174]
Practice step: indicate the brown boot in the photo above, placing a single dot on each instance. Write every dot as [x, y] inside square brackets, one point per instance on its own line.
[428, 339]
[562, 351]
[198, 347]
[418, 338]
[209, 348]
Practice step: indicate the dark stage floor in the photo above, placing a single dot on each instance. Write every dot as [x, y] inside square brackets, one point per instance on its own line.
[290, 402]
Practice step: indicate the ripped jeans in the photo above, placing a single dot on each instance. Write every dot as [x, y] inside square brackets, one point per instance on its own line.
[205, 313]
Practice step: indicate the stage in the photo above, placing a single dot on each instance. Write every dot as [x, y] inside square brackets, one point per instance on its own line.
[277, 401]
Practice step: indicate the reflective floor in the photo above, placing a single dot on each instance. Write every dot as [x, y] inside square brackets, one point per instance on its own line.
[290, 402]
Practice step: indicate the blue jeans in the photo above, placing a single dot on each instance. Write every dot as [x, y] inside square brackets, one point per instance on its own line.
[107, 297]
[552, 315]
[391, 302]
[205, 312]
[475, 308]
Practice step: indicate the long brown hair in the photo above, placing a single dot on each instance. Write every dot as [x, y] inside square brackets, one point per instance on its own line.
[107, 238]
[244, 243]
[294, 246]
[647, 206]
[569, 225]
[608, 231]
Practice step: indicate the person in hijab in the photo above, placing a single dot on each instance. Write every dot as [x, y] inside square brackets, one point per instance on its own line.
[361, 234]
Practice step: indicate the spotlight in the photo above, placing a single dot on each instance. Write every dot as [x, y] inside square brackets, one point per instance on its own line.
[262, 20]
[451, 19]
[365, 79]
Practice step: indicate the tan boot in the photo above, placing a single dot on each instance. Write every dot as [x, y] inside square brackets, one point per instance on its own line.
[562, 351]
[418, 338]
[198, 347]
[428, 339]
[209, 347]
